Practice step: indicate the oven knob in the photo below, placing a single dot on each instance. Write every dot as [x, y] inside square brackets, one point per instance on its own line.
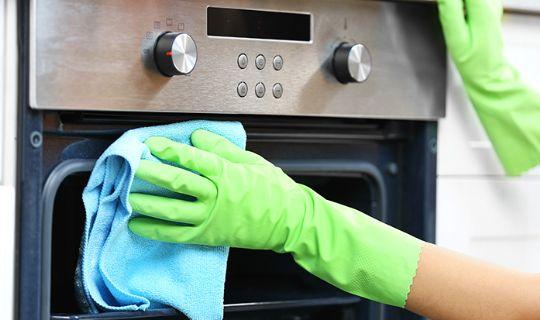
[352, 63]
[175, 54]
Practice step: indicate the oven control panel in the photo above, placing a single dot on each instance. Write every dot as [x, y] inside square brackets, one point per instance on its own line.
[259, 88]
[363, 59]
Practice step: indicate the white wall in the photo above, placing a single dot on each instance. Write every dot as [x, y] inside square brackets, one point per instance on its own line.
[8, 108]
[523, 4]
[2, 62]
[480, 211]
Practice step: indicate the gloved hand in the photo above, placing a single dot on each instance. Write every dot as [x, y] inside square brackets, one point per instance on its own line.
[508, 109]
[244, 201]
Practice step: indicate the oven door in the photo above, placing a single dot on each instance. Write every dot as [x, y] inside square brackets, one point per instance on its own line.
[359, 168]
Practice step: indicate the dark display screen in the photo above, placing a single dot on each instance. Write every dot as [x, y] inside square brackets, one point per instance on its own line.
[239, 23]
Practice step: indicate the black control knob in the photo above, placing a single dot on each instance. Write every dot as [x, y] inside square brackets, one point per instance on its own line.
[175, 54]
[352, 63]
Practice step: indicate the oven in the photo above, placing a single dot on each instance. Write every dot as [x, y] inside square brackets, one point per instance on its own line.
[343, 95]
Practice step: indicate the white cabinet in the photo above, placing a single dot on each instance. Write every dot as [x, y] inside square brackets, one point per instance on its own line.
[2, 76]
[8, 110]
[522, 4]
[480, 211]
[492, 218]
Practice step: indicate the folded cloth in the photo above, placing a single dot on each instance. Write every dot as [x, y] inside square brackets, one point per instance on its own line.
[122, 271]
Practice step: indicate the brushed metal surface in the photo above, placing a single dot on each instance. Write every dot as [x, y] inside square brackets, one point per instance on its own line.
[359, 63]
[184, 53]
[97, 55]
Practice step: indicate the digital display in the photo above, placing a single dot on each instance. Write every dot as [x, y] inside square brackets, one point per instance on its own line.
[254, 24]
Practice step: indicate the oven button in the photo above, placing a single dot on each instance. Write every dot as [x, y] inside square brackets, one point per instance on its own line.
[278, 62]
[260, 90]
[352, 63]
[242, 89]
[175, 54]
[243, 61]
[277, 90]
[260, 62]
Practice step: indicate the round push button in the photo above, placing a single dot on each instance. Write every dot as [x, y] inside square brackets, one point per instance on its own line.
[242, 89]
[278, 62]
[243, 61]
[260, 90]
[260, 62]
[277, 90]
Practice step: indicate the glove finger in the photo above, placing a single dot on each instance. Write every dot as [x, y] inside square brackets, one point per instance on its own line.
[484, 16]
[186, 156]
[168, 209]
[211, 142]
[455, 28]
[176, 179]
[161, 230]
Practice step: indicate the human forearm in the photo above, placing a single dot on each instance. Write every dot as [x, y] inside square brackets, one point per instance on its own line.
[451, 286]
[356, 252]
[373, 260]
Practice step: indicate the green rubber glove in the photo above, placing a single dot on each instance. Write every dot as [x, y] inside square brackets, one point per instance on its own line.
[507, 108]
[244, 201]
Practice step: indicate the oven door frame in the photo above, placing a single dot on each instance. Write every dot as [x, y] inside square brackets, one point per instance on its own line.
[349, 169]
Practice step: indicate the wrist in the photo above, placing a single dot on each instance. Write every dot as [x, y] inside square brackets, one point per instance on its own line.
[297, 210]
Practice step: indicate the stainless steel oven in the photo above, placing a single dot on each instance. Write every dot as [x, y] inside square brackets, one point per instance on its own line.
[343, 95]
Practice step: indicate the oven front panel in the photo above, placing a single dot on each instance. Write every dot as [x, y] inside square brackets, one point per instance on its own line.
[99, 55]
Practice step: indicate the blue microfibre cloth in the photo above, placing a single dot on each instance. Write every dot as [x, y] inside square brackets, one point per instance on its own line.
[121, 271]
